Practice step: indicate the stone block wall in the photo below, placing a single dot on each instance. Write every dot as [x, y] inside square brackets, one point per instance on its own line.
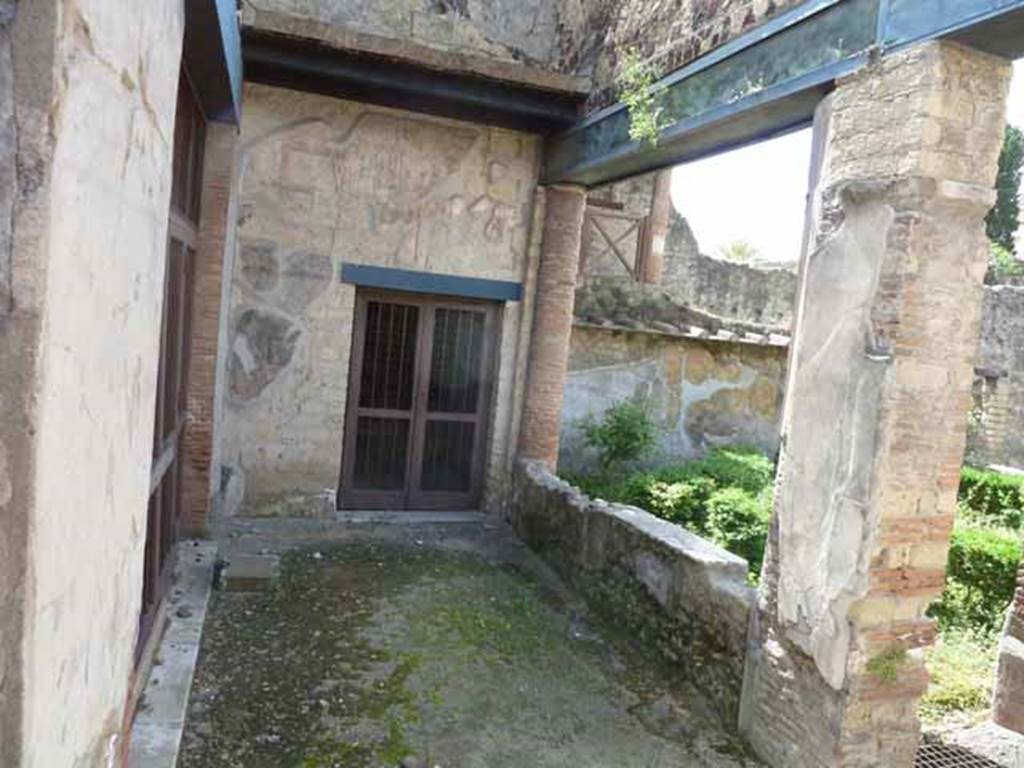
[995, 435]
[744, 292]
[88, 92]
[704, 393]
[672, 590]
[513, 40]
[320, 182]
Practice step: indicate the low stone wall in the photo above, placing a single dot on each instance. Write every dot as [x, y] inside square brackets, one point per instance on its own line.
[675, 591]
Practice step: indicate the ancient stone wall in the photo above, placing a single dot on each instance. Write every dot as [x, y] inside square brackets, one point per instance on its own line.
[514, 30]
[995, 435]
[322, 182]
[677, 593]
[702, 393]
[95, 89]
[744, 292]
[515, 40]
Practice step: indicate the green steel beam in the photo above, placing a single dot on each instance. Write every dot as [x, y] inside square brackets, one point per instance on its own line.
[769, 80]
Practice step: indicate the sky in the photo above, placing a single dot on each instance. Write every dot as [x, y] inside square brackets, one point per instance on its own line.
[757, 194]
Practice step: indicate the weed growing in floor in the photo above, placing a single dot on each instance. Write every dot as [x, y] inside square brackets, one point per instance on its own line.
[962, 667]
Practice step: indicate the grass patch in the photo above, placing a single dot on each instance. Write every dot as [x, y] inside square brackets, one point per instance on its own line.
[887, 664]
[962, 669]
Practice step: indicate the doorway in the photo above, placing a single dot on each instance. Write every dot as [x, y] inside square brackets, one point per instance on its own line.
[164, 510]
[419, 395]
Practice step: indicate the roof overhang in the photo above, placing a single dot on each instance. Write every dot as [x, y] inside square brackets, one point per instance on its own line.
[212, 54]
[305, 64]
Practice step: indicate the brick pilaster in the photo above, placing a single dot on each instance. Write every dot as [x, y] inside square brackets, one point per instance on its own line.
[552, 323]
[218, 170]
[880, 385]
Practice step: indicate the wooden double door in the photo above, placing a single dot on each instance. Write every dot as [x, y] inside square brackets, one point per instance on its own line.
[165, 486]
[420, 388]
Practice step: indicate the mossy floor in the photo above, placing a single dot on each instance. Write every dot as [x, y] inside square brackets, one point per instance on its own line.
[371, 653]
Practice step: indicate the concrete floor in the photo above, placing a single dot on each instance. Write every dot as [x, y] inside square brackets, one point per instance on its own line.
[429, 645]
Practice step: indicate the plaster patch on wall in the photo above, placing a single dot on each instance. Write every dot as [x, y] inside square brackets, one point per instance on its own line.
[263, 345]
[260, 267]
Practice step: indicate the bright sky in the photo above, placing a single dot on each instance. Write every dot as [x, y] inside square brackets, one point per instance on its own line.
[756, 194]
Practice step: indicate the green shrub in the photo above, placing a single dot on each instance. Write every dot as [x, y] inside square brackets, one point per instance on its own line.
[980, 578]
[725, 497]
[995, 497]
[738, 521]
[681, 503]
[1002, 264]
[625, 432]
[744, 468]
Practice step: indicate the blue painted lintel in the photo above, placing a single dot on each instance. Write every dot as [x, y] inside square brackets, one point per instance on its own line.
[411, 281]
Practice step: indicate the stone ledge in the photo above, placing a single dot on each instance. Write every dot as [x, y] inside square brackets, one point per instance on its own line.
[675, 591]
[160, 721]
[420, 53]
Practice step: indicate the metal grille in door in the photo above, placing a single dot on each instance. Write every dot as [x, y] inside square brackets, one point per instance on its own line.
[418, 394]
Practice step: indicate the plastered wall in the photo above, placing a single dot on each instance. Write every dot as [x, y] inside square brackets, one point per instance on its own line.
[702, 393]
[321, 182]
[96, 126]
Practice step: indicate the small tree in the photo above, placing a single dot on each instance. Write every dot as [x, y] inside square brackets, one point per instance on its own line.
[625, 432]
[1004, 219]
[739, 251]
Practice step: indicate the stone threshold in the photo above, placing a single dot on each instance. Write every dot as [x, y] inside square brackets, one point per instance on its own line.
[407, 517]
[160, 718]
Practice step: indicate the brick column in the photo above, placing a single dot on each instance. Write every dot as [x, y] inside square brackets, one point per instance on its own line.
[552, 323]
[653, 266]
[218, 170]
[887, 324]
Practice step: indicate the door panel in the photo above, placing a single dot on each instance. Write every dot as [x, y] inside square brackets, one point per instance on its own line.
[419, 390]
[164, 508]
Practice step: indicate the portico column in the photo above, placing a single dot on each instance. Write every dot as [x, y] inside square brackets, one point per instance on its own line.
[881, 368]
[653, 266]
[214, 224]
[552, 323]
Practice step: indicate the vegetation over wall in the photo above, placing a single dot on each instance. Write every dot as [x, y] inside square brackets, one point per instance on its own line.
[727, 497]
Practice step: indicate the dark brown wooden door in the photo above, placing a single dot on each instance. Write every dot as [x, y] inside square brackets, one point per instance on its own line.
[175, 347]
[418, 403]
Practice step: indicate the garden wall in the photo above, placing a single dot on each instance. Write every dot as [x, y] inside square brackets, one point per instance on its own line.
[704, 393]
[674, 591]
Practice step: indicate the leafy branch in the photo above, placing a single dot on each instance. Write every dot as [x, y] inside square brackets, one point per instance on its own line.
[643, 102]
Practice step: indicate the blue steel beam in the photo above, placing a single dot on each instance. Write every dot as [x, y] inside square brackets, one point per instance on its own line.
[769, 80]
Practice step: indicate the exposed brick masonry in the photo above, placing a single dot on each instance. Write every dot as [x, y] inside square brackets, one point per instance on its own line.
[218, 169]
[552, 325]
